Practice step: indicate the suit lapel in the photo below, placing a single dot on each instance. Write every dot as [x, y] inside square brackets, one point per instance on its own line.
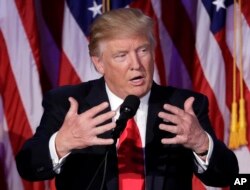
[154, 178]
[97, 93]
[96, 96]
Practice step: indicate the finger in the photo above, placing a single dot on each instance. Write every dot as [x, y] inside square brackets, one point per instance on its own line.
[104, 128]
[170, 128]
[174, 140]
[73, 107]
[173, 109]
[188, 105]
[96, 109]
[101, 141]
[169, 117]
[103, 117]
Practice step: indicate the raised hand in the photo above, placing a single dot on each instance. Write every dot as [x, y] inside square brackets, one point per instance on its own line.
[186, 126]
[81, 131]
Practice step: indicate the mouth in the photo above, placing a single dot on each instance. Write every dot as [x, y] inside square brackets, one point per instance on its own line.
[138, 80]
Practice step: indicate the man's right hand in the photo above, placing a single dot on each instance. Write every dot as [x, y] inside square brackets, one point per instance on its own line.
[80, 130]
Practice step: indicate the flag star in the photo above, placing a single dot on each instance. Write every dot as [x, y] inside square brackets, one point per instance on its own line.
[219, 4]
[96, 9]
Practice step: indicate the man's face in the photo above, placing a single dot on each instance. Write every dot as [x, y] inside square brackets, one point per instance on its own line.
[127, 65]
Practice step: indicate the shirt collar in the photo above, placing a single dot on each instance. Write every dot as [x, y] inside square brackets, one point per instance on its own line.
[115, 101]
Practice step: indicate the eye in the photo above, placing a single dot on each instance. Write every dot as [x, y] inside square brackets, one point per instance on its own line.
[120, 57]
[143, 51]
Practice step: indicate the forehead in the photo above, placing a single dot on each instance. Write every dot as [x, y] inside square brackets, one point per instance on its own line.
[125, 43]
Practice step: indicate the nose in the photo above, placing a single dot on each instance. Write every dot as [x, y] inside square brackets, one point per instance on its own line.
[135, 62]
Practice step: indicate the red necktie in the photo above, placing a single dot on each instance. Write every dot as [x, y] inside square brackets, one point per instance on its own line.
[130, 159]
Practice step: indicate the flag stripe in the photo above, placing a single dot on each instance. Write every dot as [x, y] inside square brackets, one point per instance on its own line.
[74, 37]
[188, 54]
[215, 75]
[27, 16]
[246, 60]
[246, 10]
[18, 126]
[26, 12]
[50, 21]
[172, 61]
[22, 92]
[11, 177]
[22, 64]
[67, 73]
[13, 106]
[245, 44]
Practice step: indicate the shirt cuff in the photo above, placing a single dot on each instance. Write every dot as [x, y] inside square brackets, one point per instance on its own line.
[57, 163]
[201, 164]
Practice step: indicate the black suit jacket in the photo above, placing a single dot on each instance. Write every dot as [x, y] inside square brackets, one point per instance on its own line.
[167, 166]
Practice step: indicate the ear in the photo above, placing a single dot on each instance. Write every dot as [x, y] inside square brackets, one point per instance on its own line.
[98, 64]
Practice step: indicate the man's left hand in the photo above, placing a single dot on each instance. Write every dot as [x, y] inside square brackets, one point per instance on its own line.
[186, 127]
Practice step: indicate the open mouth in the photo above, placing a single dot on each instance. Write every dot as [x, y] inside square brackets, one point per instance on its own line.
[138, 80]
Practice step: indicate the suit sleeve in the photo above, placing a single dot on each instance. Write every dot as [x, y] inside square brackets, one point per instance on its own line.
[33, 160]
[223, 165]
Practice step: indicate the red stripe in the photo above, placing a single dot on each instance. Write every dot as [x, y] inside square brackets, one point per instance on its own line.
[246, 12]
[147, 8]
[245, 8]
[28, 18]
[247, 100]
[228, 60]
[67, 73]
[18, 125]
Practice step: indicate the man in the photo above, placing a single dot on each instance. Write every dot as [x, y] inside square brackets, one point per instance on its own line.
[75, 133]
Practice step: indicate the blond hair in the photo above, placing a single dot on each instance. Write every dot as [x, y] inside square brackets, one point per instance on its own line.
[123, 22]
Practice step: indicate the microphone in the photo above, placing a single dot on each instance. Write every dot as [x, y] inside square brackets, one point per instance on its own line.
[127, 110]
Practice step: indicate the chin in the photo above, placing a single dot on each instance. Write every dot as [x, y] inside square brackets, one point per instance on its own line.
[139, 93]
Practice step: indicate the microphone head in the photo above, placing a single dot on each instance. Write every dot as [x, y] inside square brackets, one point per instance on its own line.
[130, 105]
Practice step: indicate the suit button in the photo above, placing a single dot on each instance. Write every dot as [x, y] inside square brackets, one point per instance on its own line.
[40, 169]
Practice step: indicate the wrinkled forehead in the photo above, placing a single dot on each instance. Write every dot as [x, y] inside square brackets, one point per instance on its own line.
[124, 42]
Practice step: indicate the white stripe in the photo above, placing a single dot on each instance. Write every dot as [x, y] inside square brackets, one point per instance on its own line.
[12, 177]
[245, 42]
[243, 157]
[75, 46]
[212, 63]
[22, 61]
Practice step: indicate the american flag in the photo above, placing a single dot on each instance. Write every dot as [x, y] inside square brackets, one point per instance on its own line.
[44, 44]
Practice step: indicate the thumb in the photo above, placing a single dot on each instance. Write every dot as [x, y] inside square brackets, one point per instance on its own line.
[188, 105]
[73, 107]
